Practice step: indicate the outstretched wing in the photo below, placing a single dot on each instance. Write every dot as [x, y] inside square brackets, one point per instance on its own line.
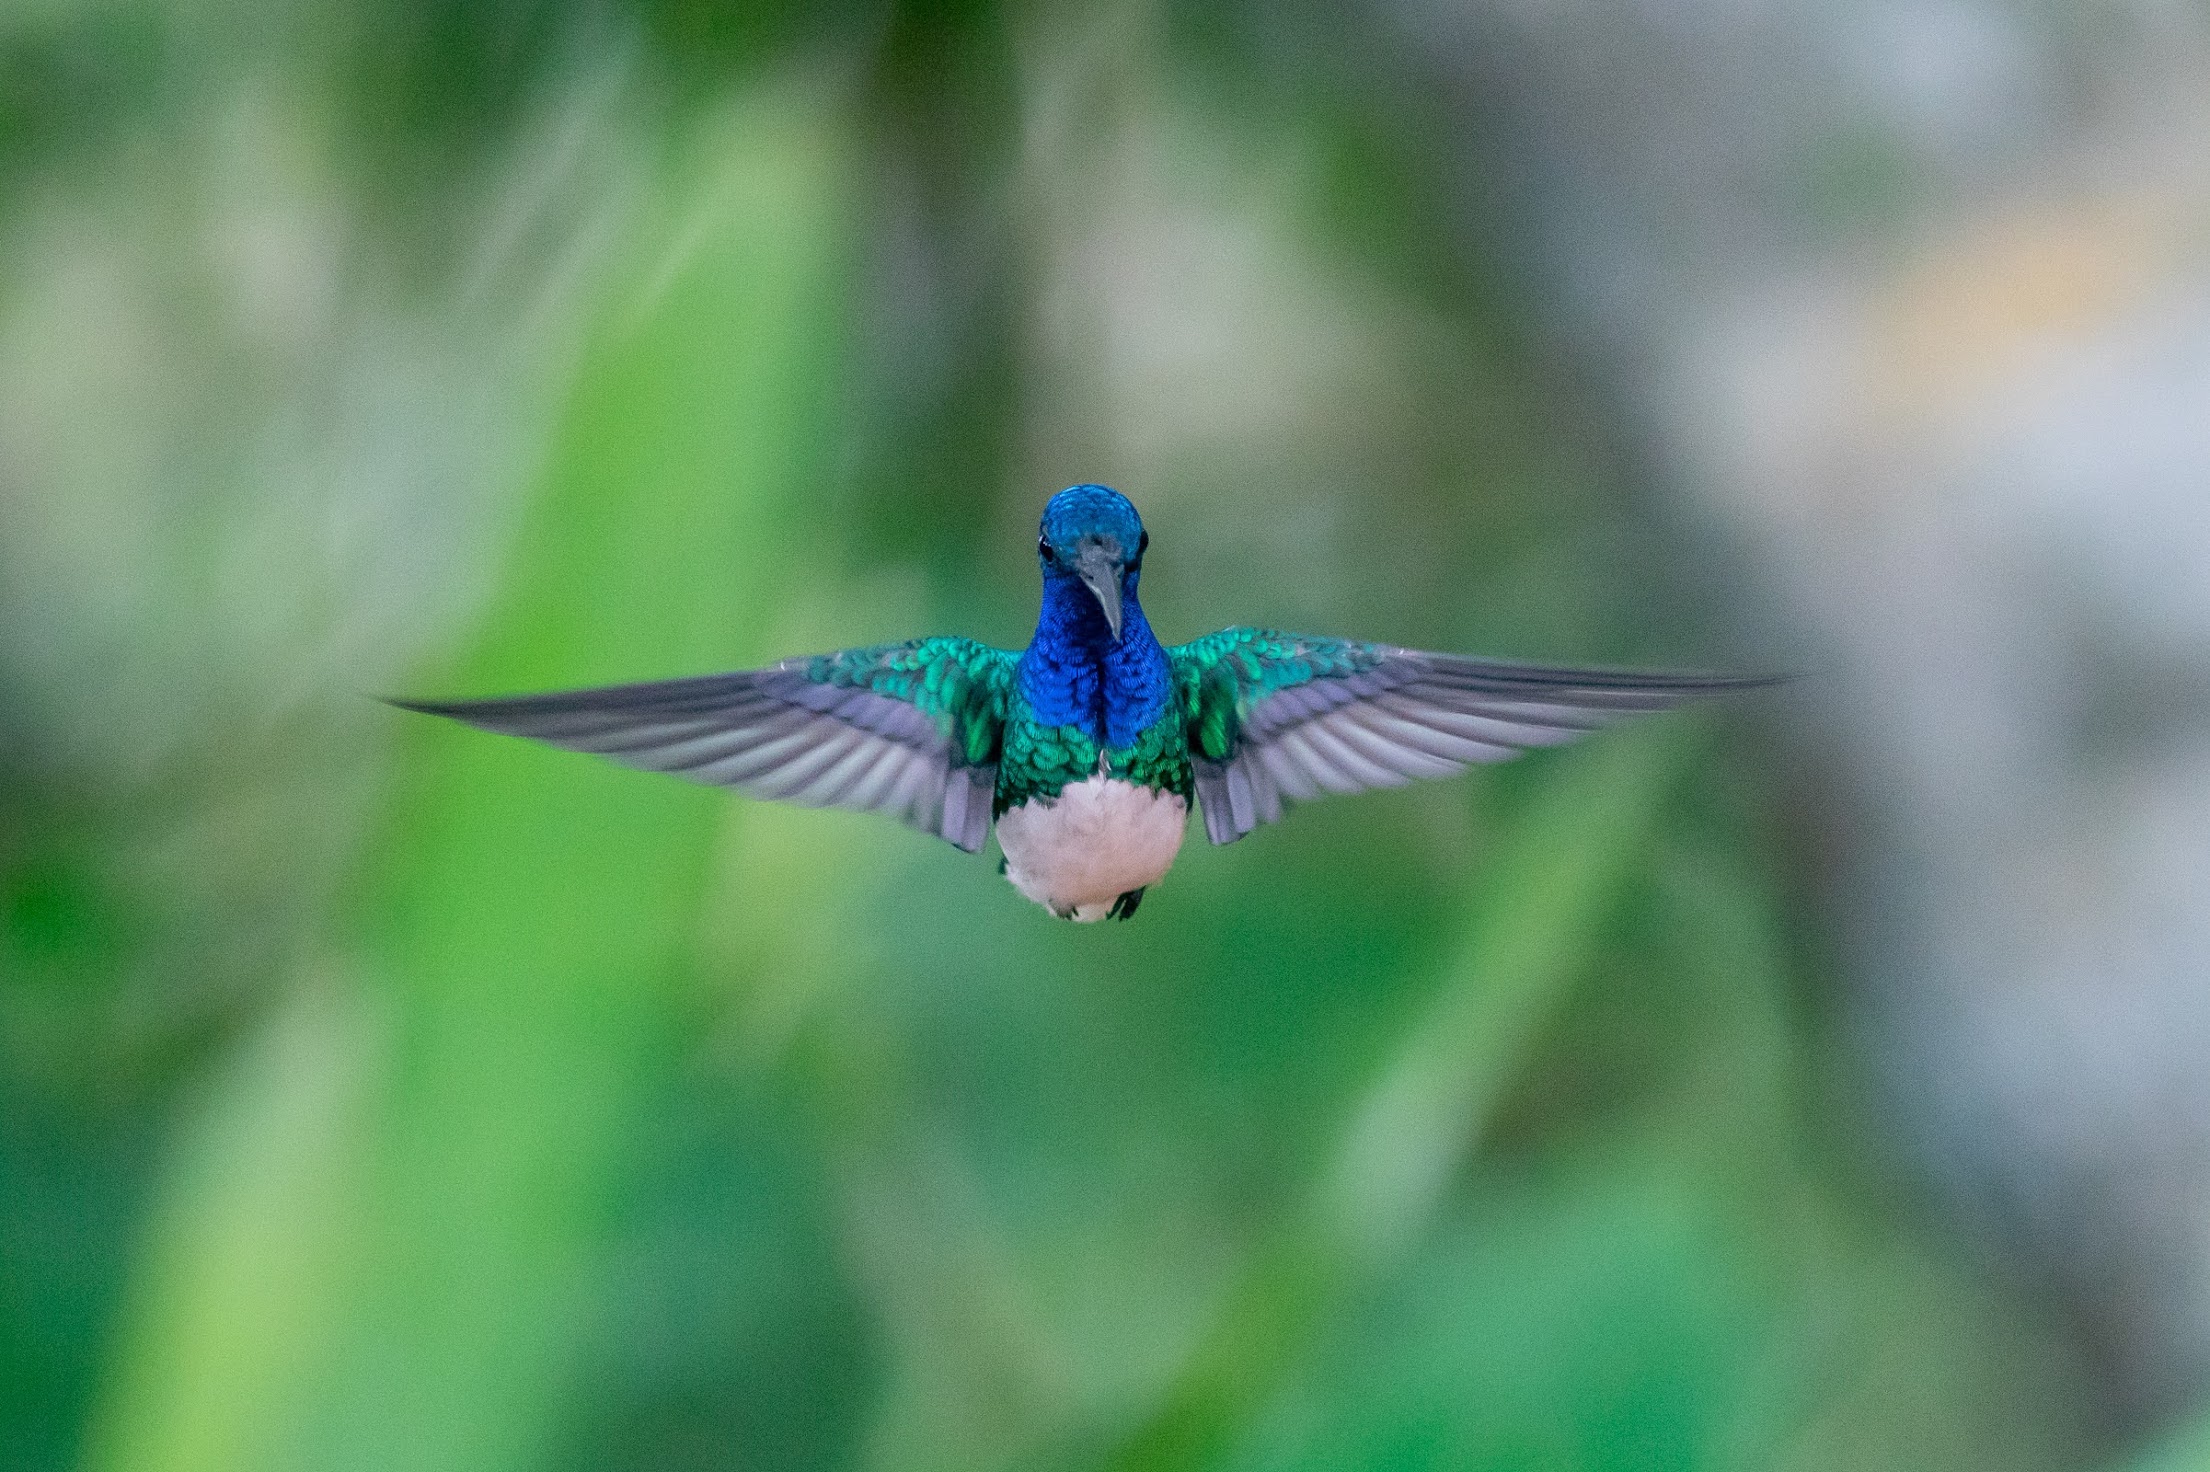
[908, 730]
[1276, 716]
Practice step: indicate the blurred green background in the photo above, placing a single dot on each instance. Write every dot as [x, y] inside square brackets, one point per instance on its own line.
[375, 1094]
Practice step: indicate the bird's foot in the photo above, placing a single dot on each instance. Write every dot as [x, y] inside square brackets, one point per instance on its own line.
[1124, 908]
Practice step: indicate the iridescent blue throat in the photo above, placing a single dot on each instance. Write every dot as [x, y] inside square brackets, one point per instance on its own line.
[1074, 674]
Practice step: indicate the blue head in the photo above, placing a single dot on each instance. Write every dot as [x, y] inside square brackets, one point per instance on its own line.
[1091, 534]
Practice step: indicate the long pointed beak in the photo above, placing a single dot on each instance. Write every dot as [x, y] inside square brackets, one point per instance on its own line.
[1099, 570]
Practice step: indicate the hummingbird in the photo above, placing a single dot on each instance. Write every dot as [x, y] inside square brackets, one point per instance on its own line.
[1087, 749]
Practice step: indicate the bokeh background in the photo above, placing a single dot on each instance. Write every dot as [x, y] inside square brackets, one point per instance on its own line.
[1814, 1083]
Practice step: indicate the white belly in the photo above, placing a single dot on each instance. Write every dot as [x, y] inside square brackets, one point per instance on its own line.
[1099, 838]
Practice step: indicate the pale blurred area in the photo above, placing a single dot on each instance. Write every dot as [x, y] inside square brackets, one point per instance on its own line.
[1912, 302]
[1868, 341]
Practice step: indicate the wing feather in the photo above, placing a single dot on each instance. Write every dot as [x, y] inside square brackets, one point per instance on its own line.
[1277, 716]
[1329, 735]
[1400, 745]
[1287, 775]
[872, 780]
[809, 771]
[908, 730]
[1242, 801]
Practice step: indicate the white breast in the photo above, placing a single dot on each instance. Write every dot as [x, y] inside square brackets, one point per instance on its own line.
[1099, 838]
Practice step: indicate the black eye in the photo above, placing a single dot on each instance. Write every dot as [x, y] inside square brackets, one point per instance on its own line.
[1043, 547]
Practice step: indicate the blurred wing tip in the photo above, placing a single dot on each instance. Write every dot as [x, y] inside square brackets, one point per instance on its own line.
[423, 707]
[1728, 684]
[504, 716]
[1623, 678]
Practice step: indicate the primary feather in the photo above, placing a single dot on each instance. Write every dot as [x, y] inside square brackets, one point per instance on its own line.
[911, 731]
[1276, 716]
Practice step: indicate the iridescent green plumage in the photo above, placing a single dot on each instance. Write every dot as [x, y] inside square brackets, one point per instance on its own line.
[1219, 678]
[1040, 760]
[1215, 679]
[958, 683]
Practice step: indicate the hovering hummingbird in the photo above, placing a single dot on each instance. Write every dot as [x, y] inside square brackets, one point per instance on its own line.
[1087, 748]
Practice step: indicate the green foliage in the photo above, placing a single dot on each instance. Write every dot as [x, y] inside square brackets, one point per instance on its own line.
[443, 1218]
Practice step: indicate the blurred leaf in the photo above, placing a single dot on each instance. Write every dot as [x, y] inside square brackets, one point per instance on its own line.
[2187, 1450]
[243, 1246]
[536, 912]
